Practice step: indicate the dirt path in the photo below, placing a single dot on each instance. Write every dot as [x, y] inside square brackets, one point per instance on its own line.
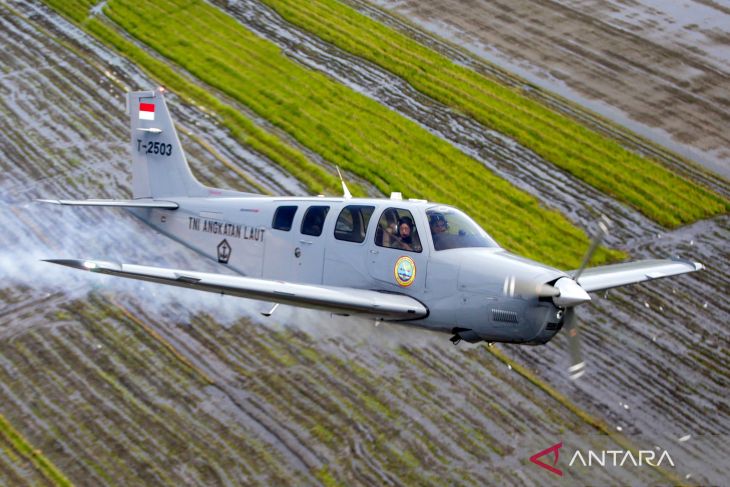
[664, 71]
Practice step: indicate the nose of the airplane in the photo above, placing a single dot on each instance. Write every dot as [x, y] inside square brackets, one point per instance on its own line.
[487, 270]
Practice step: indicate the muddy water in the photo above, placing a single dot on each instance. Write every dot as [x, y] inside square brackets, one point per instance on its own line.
[109, 403]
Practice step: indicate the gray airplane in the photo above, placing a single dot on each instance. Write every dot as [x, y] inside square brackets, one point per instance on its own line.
[410, 261]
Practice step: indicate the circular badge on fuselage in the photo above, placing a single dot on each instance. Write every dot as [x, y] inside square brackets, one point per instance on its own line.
[404, 271]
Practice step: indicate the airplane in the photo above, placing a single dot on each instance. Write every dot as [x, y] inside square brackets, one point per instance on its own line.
[406, 261]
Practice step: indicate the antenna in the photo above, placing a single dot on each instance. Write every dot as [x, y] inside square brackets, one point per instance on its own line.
[345, 191]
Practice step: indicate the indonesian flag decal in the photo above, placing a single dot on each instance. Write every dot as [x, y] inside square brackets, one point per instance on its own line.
[146, 111]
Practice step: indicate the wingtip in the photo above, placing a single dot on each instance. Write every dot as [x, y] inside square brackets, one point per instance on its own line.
[52, 202]
[74, 263]
[698, 266]
[86, 265]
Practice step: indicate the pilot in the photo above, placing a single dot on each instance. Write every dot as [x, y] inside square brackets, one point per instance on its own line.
[437, 222]
[438, 225]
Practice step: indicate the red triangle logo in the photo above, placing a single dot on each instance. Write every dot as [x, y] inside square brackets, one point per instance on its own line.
[553, 449]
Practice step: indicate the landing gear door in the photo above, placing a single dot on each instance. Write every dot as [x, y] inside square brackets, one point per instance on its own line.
[395, 257]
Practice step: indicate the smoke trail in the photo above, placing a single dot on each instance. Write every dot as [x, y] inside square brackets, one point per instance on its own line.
[36, 232]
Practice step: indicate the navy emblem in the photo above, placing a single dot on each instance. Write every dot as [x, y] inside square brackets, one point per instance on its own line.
[224, 252]
[405, 271]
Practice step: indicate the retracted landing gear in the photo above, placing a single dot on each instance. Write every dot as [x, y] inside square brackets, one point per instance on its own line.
[464, 334]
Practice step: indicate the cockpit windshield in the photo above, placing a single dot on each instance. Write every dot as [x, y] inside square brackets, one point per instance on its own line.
[452, 229]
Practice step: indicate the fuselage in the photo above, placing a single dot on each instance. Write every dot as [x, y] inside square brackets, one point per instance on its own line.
[459, 275]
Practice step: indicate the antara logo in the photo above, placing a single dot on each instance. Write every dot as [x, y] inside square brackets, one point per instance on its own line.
[603, 458]
[553, 449]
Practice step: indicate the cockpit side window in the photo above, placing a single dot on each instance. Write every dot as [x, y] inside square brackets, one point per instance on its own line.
[452, 229]
[283, 218]
[313, 221]
[352, 224]
[397, 230]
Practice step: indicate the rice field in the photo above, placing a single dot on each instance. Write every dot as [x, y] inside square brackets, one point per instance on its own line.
[638, 181]
[346, 128]
[120, 383]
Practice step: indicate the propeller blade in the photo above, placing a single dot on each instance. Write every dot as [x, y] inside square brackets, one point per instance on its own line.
[513, 287]
[577, 364]
[603, 225]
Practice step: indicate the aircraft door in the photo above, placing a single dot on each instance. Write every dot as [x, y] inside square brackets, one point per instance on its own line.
[279, 254]
[311, 242]
[396, 257]
[345, 257]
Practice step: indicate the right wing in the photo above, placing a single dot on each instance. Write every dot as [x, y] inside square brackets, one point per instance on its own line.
[340, 300]
[609, 276]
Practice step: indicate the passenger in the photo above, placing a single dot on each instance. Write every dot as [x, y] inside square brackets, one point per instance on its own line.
[405, 240]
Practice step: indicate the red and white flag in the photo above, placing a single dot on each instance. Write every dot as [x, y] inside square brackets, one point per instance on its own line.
[146, 111]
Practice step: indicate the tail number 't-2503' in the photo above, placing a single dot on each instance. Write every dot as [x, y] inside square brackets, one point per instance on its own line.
[154, 148]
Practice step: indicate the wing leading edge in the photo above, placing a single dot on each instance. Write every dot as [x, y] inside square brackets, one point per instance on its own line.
[382, 305]
[140, 203]
[609, 276]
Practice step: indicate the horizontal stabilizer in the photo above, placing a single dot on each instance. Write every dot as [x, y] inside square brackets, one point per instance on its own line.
[140, 203]
[609, 276]
[340, 300]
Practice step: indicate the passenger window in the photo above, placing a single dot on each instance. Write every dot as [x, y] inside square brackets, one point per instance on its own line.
[397, 230]
[284, 217]
[313, 221]
[352, 224]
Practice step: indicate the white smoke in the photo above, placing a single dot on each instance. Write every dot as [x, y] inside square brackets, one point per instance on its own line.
[37, 231]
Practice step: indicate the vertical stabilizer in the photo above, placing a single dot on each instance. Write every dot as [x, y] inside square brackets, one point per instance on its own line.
[159, 167]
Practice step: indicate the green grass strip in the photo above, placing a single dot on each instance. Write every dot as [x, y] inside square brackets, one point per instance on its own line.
[346, 128]
[644, 184]
[77, 10]
[36, 457]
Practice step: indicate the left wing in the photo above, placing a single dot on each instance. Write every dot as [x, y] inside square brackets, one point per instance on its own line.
[608, 276]
[138, 203]
[341, 300]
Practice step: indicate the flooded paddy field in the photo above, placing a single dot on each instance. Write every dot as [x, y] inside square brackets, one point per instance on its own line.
[120, 382]
[660, 68]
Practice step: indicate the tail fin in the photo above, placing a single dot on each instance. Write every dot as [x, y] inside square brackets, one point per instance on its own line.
[159, 167]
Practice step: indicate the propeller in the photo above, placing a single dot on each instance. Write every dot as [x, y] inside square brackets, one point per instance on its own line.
[566, 293]
[603, 224]
[577, 364]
